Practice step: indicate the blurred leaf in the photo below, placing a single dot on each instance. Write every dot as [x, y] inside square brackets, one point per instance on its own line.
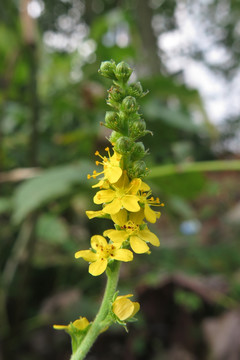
[52, 229]
[5, 205]
[52, 184]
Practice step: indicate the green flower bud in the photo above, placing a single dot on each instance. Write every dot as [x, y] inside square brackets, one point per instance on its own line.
[115, 122]
[129, 104]
[123, 71]
[115, 94]
[137, 128]
[111, 119]
[124, 145]
[138, 151]
[136, 90]
[138, 169]
[114, 137]
[107, 69]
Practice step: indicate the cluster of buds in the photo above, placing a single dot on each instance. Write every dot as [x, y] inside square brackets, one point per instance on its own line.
[124, 199]
[124, 119]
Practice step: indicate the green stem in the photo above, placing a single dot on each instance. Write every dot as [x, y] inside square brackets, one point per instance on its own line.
[97, 326]
[171, 169]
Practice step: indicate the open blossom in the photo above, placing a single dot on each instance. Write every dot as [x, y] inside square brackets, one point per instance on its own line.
[79, 324]
[112, 170]
[102, 252]
[123, 194]
[130, 225]
[124, 308]
[147, 200]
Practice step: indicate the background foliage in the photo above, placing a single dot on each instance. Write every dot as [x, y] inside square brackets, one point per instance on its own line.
[52, 102]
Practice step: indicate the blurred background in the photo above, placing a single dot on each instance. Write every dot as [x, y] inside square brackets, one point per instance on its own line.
[186, 53]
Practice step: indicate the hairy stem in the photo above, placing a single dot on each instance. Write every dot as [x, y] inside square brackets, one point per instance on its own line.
[97, 325]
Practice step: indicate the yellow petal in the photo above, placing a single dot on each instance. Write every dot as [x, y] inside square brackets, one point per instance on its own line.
[81, 323]
[124, 296]
[97, 241]
[134, 186]
[61, 327]
[98, 267]
[87, 255]
[123, 182]
[139, 246]
[150, 214]
[104, 196]
[113, 207]
[130, 202]
[144, 187]
[93, 214]
[123, 308]
[137, 217]
[123, 255]
[120, 218]
[136, 308]
[113, 174]
[116, 235]
[147, 235]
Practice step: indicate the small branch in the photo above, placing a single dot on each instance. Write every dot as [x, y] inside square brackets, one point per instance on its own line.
[19, 174]
[201, 166]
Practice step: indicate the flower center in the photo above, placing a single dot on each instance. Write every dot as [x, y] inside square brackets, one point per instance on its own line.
[131, 228]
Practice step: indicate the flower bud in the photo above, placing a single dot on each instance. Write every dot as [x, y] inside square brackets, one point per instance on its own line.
[129, 104]
[115, 94]
[137, 128]
[138, 169]
[111, 119]
[115, 122]
[114, 137]
[107, 69]
[136, 90]
[124, 145]
[123, 71]
[138, 151]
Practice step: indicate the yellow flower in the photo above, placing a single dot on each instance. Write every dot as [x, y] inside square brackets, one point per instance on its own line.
[131, 229]
[102, 252]
[124, 308]
[144, 199]
[123, 194]
[80, 324]
[111, 167]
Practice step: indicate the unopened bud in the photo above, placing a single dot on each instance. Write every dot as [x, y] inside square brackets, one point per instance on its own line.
[123, 71]
[138, 170]
[124, 145]
[135, 90]
[129, 104]
[138, 151]
[115, 94]
[114, 137]
[107, 69]
[137, 128]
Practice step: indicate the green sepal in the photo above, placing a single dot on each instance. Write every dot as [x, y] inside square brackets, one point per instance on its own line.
[76, 335]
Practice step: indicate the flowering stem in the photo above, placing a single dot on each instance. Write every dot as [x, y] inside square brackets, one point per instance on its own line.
[98, 325]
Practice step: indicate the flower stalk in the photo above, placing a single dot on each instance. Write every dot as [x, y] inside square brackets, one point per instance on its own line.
[126, 200]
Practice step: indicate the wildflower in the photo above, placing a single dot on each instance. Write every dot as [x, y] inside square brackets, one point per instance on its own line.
[124, 308]
[102, 252]
[131, 229]
[123, 194]
[144, 199]
[111, 167]
[79, 324]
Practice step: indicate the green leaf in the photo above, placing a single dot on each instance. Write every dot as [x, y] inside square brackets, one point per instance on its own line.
[50, 185]
[5, 205]
[52, 229]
